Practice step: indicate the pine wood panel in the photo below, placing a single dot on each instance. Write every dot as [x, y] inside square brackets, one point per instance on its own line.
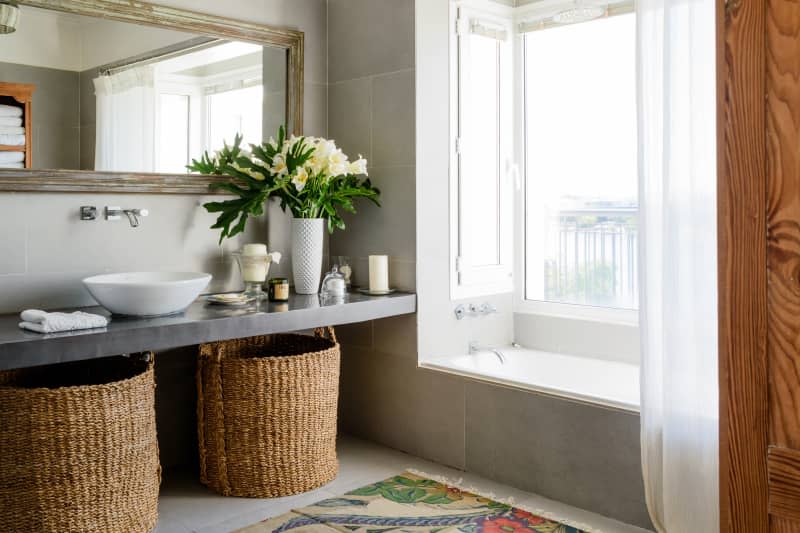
[783, 525]
[784, 483]
[742, 268]
[783, 215]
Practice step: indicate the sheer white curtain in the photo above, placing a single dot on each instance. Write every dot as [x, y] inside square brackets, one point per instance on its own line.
[126, 107]
[678, 300]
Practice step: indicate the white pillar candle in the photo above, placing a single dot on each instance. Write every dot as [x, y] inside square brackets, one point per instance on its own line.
[254, 249]
[378, 273]
[255, 262]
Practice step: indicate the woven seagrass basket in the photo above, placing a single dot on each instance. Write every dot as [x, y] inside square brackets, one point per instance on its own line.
[78, 448]
[266, 414]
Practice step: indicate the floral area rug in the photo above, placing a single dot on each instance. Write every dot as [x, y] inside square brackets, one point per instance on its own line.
[409, 503]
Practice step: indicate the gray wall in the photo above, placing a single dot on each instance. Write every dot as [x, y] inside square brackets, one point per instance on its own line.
[88, 117]
[56, 123]
[583, 455]
[45, 250]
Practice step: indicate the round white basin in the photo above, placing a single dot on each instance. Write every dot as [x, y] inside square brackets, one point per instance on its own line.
[147, 293]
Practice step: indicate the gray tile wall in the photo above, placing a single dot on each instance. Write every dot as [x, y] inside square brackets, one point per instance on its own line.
[583, 455]
[56, 123]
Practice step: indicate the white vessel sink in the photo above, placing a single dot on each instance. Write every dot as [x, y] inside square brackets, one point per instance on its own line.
[147, 293]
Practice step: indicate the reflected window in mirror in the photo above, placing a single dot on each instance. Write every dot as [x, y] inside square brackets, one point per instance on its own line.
[196, 99]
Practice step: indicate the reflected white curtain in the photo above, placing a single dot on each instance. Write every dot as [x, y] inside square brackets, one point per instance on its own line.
[678, 300]
[126, 108]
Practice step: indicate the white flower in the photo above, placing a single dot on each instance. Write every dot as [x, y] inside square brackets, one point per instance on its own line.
[275, 257]
[315, 164]
[337, 163]
[359, 166]
[299, 180]
[279, 165]
[325, 148]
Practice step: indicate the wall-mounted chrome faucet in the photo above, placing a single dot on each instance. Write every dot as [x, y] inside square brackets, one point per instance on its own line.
[89, 212]
[115, 213]
[472, 310]
[474, 348]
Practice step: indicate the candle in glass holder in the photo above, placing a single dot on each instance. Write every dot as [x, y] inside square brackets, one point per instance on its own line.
[378, 273]
[254, 263]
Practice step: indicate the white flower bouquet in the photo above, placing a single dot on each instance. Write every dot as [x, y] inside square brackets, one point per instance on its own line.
[310, 176]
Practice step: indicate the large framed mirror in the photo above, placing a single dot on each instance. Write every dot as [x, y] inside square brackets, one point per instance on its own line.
[115, 96]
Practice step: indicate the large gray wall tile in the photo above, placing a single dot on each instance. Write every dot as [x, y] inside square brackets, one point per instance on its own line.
[350, 116]
[389, 229]
[368, 37]
[393, 119]
[583, 455]
[390, 400]
[315, 112]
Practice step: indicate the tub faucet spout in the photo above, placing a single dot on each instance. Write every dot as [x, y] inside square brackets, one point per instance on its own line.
[474, 348]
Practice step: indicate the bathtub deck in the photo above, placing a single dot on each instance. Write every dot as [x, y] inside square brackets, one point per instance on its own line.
[596, 381]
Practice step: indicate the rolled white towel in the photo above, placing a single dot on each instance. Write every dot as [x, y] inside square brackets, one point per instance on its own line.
[12, 139]
[12, 165]
[12, 130]
[43, 322]
[10, 121]
[11, 157]
[10, 111]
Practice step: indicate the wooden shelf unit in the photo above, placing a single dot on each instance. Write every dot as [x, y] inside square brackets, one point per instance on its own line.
[20, 94]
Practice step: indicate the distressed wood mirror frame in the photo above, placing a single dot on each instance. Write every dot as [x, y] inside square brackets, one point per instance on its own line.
[35, 180]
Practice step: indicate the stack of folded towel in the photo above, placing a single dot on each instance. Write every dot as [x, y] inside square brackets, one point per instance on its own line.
[12, 133]
[43, 322]
[12, 159]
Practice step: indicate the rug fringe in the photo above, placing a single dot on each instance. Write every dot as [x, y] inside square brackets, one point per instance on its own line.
[459, 484]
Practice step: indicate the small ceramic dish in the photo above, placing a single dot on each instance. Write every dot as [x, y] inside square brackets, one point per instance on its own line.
[230, 299]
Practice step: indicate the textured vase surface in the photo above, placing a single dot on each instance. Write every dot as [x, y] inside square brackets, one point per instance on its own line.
[307, 237]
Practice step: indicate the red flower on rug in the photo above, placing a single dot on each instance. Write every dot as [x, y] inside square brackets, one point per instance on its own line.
[504, 525]
[531, 518]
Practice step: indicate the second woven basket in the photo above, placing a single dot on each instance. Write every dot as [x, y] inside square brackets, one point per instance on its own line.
[266, 414]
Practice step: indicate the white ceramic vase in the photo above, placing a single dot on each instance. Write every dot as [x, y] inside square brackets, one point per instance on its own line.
[307, 240]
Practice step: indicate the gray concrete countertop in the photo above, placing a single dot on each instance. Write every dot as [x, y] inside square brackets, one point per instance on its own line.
[201, 322]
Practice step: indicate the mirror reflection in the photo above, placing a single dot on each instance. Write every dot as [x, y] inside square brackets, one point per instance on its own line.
[85, 93]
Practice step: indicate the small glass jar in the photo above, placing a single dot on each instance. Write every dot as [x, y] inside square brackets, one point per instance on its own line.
[344, 268]
[334, 287]
[279, 290]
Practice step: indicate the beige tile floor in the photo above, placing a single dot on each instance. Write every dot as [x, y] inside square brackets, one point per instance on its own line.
[187, 506]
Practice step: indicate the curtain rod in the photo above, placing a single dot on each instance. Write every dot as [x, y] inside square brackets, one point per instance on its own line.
[161, 54]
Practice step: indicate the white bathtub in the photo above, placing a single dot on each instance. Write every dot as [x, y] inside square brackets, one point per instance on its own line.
[585, 379]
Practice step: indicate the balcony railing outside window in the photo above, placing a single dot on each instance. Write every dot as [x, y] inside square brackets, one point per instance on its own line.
[593, 258]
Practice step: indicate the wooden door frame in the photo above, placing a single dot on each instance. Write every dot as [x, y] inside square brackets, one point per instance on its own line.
[742, 259]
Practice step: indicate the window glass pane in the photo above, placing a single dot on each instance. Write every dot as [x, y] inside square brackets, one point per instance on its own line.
[480, 154]
[581, 203]
[232, 112]
[173, 144]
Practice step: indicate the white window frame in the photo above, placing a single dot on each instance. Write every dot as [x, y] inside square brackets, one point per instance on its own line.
[521, 303]
[472, 281]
